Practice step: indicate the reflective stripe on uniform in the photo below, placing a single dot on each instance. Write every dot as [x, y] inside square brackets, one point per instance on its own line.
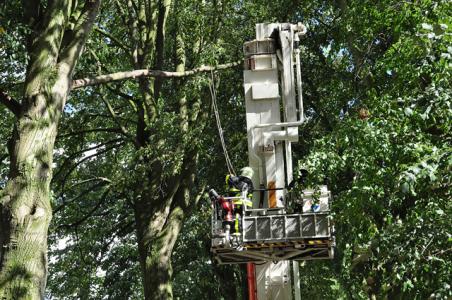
[236, 223]
[240, 202]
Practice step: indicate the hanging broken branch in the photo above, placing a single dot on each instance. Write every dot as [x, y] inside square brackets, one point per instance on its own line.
[79, 83]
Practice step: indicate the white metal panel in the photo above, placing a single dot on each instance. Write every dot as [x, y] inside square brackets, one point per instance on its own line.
[264, 62]
[273, 281]
[261, 281]
[296, 280]
[265, 90]
[258, 112]
[288, 88]
[292, 132]
[270, 76]
[253, 116]
[280, 135]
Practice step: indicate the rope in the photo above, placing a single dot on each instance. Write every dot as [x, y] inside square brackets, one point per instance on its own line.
[213, 94]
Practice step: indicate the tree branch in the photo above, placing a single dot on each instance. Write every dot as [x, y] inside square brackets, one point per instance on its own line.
[75, 154]
[117, 92]
[89, 214]
[115, 130]
[83, 82]
[82, 28]
[107, 149]
[10, 103]
[83, 193]
[115, 118]
[112, 38]
[104, 179]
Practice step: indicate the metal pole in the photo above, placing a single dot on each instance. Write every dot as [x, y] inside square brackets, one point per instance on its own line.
[251, 276]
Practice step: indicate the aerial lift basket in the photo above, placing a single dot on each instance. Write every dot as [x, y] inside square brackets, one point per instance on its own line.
[273, 234]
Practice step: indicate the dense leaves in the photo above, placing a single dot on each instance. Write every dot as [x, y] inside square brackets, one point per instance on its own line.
[389, 169]
[377, 94]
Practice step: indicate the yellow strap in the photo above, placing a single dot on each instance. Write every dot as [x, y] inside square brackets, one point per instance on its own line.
[240, 202]
[236, 225]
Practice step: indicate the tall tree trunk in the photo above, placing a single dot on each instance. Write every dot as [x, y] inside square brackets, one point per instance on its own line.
[157, 232]
[155, 247]
[162, 206]
[25, 209]
[158, 217]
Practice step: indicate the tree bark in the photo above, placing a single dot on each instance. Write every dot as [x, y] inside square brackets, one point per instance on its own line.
[25, 209]
[159, 220]
[163, 200]
[119, 76]
[157, 230]
[155, 246]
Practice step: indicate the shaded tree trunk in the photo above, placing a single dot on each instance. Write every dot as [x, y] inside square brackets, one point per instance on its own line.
[158, 227]
[158, 214]
[155, 245]
[25, 209]
[164, 200]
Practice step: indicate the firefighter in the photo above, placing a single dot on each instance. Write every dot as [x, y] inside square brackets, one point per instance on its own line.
[227, 209]
[299, 184]
[235, 185]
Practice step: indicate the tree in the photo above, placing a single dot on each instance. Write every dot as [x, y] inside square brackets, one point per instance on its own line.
[388, 170]
[132, 156]
[158, 127]
[56, 35]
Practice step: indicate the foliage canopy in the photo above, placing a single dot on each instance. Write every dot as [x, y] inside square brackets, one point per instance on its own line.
[377, 84]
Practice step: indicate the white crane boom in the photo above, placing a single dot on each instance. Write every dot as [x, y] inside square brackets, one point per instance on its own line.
[280, 227]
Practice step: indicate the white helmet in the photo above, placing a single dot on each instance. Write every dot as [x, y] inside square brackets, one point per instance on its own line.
[247, 172]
